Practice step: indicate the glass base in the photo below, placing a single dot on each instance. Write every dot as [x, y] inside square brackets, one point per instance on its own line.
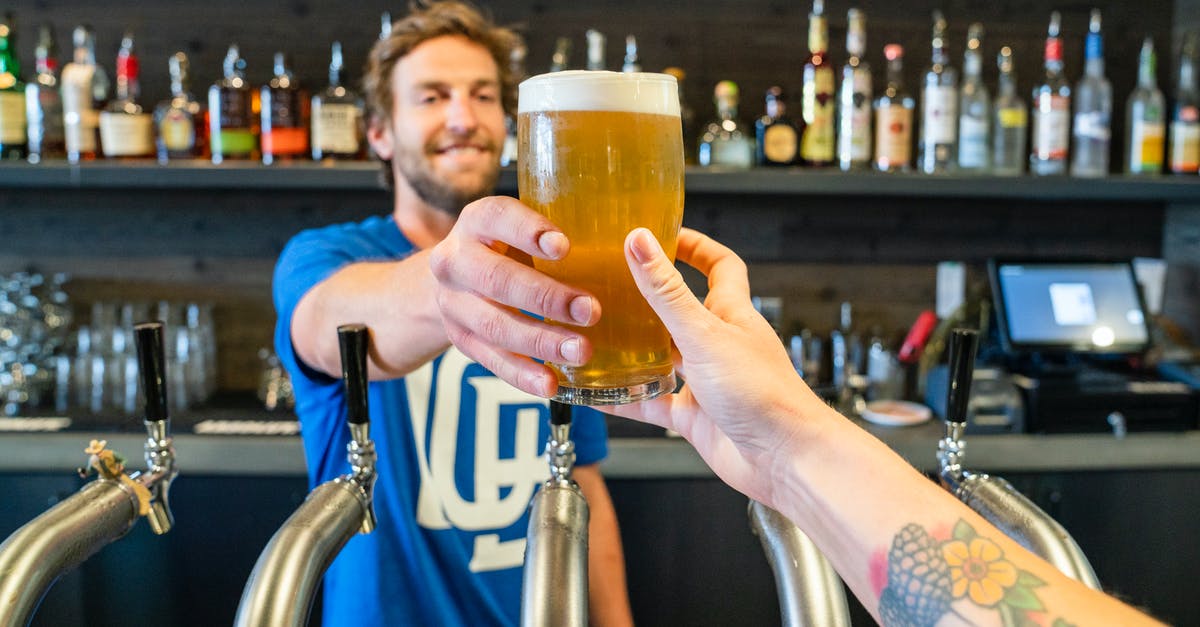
[644, 391]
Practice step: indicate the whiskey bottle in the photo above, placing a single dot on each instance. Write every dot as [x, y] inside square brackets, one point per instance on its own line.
[1051, 110]
[777, 139]
[43, 103]
[126, 130]
[336, 116]
[14, 138]
[974, 108]
[725, 141]
[1092, 124]
[854, 98]
[178, 119]
[232, 132]
[1010, 121]
[1185, 117]
[84, 92]
[894, 117]
[1145, 120]
[939, 107]
[817, 108]
[284, 116]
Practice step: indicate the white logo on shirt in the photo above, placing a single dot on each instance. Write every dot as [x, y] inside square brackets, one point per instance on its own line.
[440, 505]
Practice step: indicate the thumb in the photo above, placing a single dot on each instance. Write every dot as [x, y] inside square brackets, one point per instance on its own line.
[661, 284]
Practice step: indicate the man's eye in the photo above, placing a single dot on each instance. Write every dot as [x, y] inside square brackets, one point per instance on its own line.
[486, 97]
[428, 98]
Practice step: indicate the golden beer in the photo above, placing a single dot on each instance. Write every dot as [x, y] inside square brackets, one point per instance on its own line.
[599, 154]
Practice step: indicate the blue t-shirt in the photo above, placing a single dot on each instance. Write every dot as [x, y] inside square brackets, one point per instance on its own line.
[460, 456]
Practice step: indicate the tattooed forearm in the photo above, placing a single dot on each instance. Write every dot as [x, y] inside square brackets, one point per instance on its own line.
[929, 578]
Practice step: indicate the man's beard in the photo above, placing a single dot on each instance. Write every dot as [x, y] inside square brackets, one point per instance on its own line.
[416, 168]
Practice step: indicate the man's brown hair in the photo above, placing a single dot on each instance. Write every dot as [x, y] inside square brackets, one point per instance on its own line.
[429, 20]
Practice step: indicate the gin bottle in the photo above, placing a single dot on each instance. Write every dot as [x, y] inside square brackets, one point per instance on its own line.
[939, 107]
[1145, 121]
[1051, 110]
[974, 108]
[1009, 121]
[1093, 109]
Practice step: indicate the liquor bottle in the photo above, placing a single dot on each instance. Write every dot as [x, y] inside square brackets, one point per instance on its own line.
[894, 117]
[854, 98]
[180, 120]
[1092, 126]
[725, 142]
[284, 116]
[974, 108]
[84, 92]
[1145, 119]
[232, 133]
[777, 141]
[595, 49]
[43, 103]
[1010, 121]
[14, 140]
[385, 25]
[1185, 118]
[336, 116]
[126, 129]
[631, 63]
[516, 64]
[846, 348]
[816, 144]
[939, 107]
[687, 115]
[561, 59]
[1051, 110]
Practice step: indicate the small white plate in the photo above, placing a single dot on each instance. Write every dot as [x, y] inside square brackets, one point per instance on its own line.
[896, 413]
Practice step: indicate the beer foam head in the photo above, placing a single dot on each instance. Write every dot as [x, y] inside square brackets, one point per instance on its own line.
[589, 90]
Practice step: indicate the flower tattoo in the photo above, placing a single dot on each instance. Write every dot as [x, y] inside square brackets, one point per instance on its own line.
[978, 568]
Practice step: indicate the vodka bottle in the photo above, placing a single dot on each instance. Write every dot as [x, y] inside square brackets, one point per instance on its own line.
[939, 107]
[1051, 110]
[1093, 110]
[1145, 120]
[854, 99]
[1009, 121]
[974, 108]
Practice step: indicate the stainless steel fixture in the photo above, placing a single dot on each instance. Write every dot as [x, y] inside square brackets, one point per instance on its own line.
[810, 592]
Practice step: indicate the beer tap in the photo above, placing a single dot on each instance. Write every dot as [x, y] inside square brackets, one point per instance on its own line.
[810, 591]
[992, 497]
[36, 555]
[554, 584]
[282, 585]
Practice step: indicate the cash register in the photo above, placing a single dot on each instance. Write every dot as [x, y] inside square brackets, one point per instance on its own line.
[1073, 335]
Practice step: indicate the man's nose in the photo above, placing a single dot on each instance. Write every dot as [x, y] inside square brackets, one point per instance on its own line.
[460, 115]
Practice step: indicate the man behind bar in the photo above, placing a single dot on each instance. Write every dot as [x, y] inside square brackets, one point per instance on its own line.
[460, 451]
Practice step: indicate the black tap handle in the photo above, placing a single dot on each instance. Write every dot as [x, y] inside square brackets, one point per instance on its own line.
[352, 338]
[560, 413]
[963, 344]
[152, 368]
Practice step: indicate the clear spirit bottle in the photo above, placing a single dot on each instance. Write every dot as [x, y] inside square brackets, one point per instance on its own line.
[1185, 118]
[725, 141]
[894, 117]
[232, 132]
[817, 142]
[854, 98]
[1010, 121]
[14, 137]
[595, 49]
[631, 63]
[126, 129]
[974, 108]
[1145, 120]
[939, 107]
[777, 140]
[1051, 109]
[284, 116]
[179, 121]
[337, 114]
[1092, 134]
[43, 103]
[84, 92]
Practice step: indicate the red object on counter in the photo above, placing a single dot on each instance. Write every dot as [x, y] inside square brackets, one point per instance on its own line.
[914, 342]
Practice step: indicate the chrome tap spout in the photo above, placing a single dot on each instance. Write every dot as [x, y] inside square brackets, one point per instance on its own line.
[554, 584]
[810, 592]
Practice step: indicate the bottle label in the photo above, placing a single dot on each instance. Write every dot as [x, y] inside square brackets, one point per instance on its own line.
[1185, 146]
[177, 131]
[817, 144]
[79, 117]
[939, 115]
[733, 152]
[238, 142]
[12, 118]
[893, 137]
[335, 128]
[1051, 126]
[1012, 117]
[285, 141]
[126, 135]
[1092, 125]
[854, 124]
[1146, 146]
[779, 143]
[972, 142]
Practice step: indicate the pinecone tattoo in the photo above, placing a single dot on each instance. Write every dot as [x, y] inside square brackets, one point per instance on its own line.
[918, 590]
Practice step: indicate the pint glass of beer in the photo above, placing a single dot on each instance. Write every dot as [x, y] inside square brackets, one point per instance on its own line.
[599, 154]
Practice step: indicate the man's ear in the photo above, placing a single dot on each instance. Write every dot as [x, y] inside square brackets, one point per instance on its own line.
[379, 135]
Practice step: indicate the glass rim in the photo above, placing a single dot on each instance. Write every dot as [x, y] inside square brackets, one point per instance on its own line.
[600, 90]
